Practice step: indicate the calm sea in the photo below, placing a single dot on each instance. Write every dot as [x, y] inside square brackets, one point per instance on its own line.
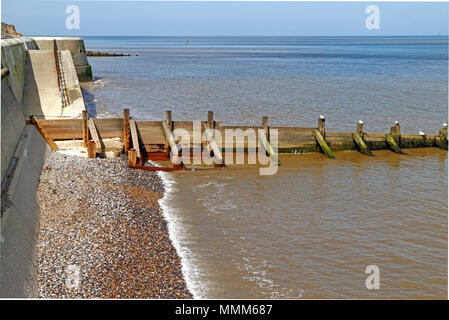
[310, 230]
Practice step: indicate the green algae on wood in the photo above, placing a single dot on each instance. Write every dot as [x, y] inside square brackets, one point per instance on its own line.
[441, 140]
[322, 143]
[363, 148]
[392, 144]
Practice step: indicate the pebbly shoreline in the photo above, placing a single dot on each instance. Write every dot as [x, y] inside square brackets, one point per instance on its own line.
[102, 233]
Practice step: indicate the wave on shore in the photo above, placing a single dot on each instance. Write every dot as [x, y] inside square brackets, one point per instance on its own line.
[175, 230]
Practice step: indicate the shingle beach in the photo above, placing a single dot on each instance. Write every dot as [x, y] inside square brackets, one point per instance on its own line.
[102, 232]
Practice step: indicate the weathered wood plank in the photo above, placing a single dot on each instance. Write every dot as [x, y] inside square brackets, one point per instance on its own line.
[152, 138]
[132, 157]
[91, 149]
[392, 144]
[85, 129]
[170, 140]
[321, 126]
[135, 138]
[217, 153]
[339, 137]
[151, 135]
[441, 139]
[441, 143]
[417, 141]
[94, 134]
[361, 144]
[43, 133]
[267, 146]
[126, 133]
[73, 129]
[322, 143]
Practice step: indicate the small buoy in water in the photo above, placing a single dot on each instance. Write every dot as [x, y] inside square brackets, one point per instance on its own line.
[321, 116]
[360, 121]
[396, 122]
[422, 133]
[445, 125]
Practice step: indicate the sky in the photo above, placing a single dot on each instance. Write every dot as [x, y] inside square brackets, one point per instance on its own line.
[167, 18]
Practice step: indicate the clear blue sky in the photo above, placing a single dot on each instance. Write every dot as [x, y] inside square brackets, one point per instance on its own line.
[40, 17]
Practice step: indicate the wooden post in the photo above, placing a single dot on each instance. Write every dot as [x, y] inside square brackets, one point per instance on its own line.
[443, 132]
[210, 119]
[210, 125]
[441, 140]
[265, 129]
[85, 130]
[214, 146]
[126, 135]
[169, 120]
[92, 150]
[392, 144]
[360, 143]
[174, 148]
[169, 126]
[265, 124]
[322, 143]
[267, 146]
[321, 121]
[360, 128]
[132, 157]
[395, 131]
[397, 128]
[94, 133]
[135, 139]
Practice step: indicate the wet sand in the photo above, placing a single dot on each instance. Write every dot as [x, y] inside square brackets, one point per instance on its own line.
[102, 233]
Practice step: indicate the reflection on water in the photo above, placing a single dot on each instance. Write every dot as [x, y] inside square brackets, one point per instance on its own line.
[312, 229]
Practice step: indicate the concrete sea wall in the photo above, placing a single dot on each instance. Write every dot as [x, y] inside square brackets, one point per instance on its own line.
[12, 125]
[76, 48]
[14, 53]
[24, 150]
[20, 219]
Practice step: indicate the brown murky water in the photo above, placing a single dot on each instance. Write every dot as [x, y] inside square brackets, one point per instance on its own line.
[311, 230]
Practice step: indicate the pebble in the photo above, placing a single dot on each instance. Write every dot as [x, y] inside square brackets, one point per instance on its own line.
[102, 233]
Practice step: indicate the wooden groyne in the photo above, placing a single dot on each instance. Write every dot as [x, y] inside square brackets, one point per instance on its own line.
[154, 140]
[106, 54]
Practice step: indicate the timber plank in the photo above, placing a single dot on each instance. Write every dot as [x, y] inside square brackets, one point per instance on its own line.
[94, 133]
[392, 144]
[267, 146]
[361, 144]
[170, 139]
[43, 133]
[135, 138]
[214, 146]
[322, 143]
